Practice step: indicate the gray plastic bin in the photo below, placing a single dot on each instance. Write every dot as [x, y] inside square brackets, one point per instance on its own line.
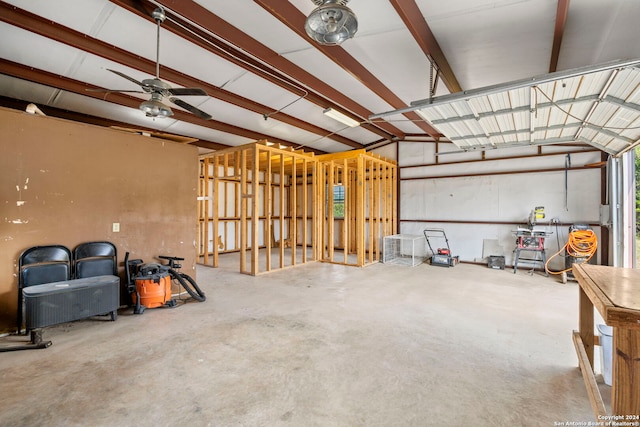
[606, 352]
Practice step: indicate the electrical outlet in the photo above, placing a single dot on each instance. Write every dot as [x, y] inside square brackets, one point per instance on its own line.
[116, 227]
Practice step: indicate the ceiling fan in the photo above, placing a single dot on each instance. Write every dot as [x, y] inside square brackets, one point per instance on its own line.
[159, 89]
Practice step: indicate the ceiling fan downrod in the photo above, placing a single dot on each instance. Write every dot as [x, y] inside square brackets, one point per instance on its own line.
[159, 16]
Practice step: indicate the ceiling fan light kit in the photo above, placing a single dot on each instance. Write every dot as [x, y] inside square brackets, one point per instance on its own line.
[155, 108]
[331, 23]
[342, 118]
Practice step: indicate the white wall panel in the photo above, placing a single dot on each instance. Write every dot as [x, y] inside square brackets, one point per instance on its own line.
[503, 197]
[415, 153]
[387, 151]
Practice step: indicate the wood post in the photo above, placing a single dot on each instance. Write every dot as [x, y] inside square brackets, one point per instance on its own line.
[244, 227]
[255, 210]
[293, 229]
[268, 207]
[626, 364]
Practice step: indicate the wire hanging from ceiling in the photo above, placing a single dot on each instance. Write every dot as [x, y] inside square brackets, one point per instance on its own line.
[268, 69]
[266, 116]
[321, 138]
[433, 79]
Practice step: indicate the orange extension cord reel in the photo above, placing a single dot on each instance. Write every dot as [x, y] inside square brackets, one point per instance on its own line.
[581, 245]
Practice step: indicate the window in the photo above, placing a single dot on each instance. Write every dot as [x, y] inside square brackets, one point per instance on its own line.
[338, 201]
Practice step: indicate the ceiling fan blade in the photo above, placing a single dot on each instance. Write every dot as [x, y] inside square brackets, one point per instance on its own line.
[131, 79]
[191, 108]
[114, 90]
[188, 91]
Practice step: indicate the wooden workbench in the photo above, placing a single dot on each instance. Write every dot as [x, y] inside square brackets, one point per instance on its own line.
[615, 293]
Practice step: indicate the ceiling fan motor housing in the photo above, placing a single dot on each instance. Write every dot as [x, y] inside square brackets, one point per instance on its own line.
[156, 85]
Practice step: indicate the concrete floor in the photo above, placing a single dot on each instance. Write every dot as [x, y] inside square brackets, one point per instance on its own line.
[318, 345]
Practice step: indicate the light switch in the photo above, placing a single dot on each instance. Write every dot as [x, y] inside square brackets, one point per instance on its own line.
[116, 227]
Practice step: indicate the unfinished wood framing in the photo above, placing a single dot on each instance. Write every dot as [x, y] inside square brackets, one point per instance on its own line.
[257, 199]
[368, 183]
[280, 208]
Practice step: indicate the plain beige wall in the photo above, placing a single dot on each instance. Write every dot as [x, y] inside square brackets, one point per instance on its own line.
[66, 183]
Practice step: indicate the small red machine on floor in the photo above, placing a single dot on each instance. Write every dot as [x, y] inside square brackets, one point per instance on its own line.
[442, 256]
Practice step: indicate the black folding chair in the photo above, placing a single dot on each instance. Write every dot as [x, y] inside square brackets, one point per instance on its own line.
[93, 259]
[38, 265]
[41, 264]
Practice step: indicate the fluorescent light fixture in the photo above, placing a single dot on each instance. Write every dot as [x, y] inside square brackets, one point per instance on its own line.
[342, 118]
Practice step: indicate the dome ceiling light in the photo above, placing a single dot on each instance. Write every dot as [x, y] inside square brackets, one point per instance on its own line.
[331, 23]
[155, 108]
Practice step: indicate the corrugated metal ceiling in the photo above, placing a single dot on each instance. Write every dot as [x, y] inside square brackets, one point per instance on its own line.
[598, 105]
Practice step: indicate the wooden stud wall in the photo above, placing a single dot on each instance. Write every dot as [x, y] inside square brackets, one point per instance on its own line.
[254, 199]
[275, 207]
[370, 199]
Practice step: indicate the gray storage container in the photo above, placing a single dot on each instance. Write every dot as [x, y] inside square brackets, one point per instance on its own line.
[66, 301]
[496, 261]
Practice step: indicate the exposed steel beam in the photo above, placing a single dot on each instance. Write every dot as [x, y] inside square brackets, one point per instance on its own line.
[495, 159]
[495, 173]
[294, 19]
[64, 83]
[62, 34]
[561, 19]
[201, 16]
[17, 104]
[197, 36]
[417, 25]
